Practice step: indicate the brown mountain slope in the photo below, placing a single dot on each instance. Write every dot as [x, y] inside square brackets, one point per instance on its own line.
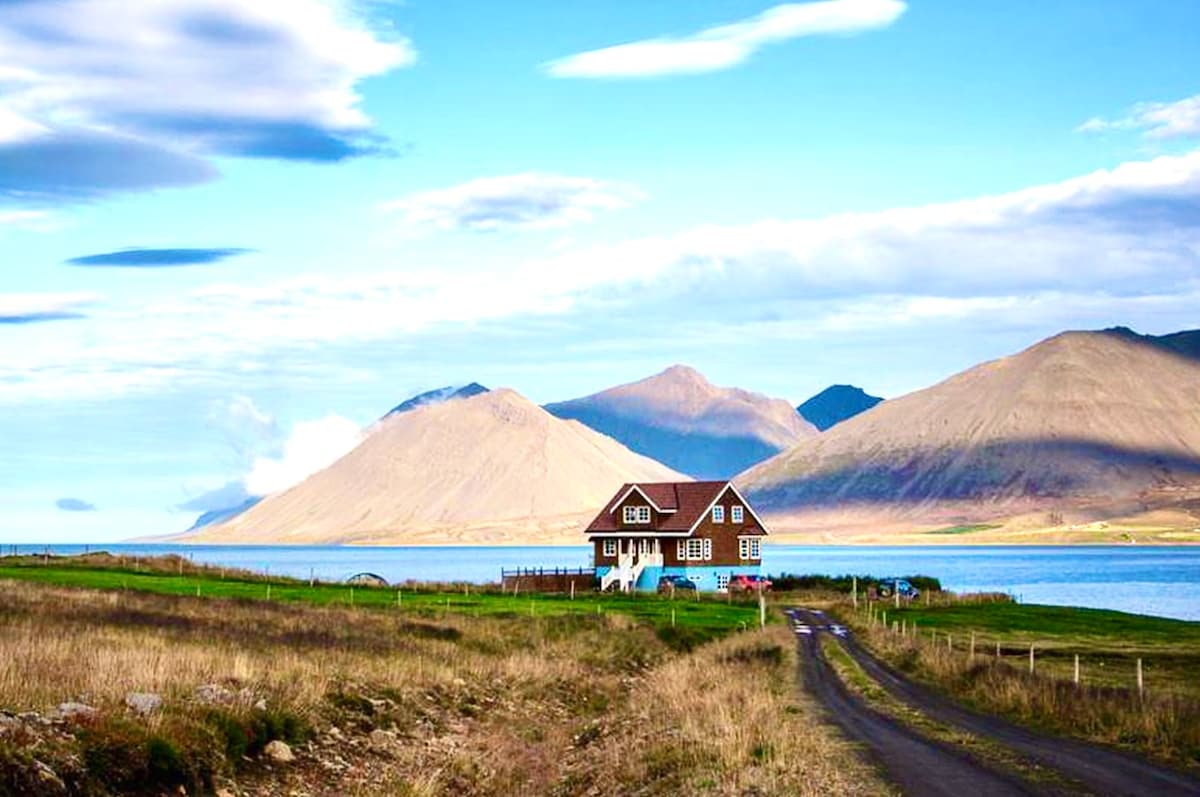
[680, 418]
[491, 468]
[1085, 422]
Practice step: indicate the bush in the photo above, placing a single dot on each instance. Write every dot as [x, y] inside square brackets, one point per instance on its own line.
[845, 584]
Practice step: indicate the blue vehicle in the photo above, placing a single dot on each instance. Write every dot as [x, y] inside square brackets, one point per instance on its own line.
[887, 585]
[672, 583]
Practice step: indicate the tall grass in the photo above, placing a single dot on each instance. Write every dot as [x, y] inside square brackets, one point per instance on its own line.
[378, 702]
[1163, 724]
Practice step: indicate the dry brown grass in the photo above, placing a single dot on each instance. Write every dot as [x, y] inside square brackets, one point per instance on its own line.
[1165, 724]
[569, 705]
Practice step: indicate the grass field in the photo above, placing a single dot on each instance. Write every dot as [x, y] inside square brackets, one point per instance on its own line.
[480, 698]
[682, 622]
[1162, 721]
[967, 529]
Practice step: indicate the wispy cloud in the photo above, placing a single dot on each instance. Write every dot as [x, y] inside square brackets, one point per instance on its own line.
[1159, 120]
[1121, 235]
[156, 258]
[104, 96]
[34, 308]
[726, 46]
[513, 202]
[74, 505]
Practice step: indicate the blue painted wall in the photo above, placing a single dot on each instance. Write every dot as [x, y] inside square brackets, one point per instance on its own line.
[704, 577]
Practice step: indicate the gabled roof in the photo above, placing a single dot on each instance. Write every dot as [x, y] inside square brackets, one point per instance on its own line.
[681, 504]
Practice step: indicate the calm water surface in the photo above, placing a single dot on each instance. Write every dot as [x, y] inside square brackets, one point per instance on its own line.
[1163, 581]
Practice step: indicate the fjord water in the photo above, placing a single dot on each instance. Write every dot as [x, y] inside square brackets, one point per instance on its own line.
[1163, 581]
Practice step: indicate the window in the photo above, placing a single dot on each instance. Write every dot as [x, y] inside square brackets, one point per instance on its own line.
[749, 548]
[610, 547]
[636, 514]
[722, 582]
[736, 515]
[694, 549]
[718, 514]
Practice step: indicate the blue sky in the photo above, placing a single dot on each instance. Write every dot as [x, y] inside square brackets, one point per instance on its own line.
[232, 233]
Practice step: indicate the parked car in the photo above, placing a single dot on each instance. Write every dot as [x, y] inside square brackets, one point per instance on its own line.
[907, 590]
[669, 583]
[747, 583]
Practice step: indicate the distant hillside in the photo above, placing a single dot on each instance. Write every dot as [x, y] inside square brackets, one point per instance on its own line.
[835, 404]
[438, 396]
[493, 468]
[679, 418]
[214, 516]
[1097, 419]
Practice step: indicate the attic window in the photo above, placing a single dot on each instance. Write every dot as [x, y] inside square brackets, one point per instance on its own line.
[636, 514]
[736, 514]
[718, 514]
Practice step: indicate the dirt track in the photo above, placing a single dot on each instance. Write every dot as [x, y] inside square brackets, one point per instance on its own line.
[917, 765]
[1099, 769]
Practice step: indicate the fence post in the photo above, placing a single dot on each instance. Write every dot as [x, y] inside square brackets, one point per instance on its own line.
[949, 642]
[854, 591]
[1140, 682]
[997, 648]
[896, 592]
[762, 620]
[972, 645]
[1031, 658]
[672, 618]
[1077, 669]
[572, 589]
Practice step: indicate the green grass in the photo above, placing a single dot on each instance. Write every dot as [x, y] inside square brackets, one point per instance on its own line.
[1107, 642]
[682, 622]
[966, 529]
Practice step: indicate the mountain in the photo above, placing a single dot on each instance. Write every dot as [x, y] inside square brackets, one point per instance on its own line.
[1090, 423]
[835, 404]
[677, 417]
[442, 394]
[493, 468]
[214, 516]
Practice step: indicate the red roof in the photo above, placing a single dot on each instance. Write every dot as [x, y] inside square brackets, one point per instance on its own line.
[689, 500]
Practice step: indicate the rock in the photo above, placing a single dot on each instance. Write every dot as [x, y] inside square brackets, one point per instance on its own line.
[261, 705]
[213, 693]
[71, 710]
[143, 702]
[48, 780]
[279, 752]
[381, 741]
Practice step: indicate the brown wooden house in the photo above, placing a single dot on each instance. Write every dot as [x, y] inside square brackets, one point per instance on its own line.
[704, 531]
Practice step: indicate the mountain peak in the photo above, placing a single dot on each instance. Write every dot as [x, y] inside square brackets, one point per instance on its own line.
[835, 404]
[438, 396]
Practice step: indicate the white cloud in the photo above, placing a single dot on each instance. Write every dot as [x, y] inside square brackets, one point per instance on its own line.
[726, 46]
[530, 200]
[26, 308]
[1159, 120]
[168, 80]
[312, 446]
[1118, 234]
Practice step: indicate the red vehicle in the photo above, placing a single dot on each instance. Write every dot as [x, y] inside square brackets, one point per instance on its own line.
[749, 584]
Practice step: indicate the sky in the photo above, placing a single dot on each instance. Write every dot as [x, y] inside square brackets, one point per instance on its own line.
[233, 233]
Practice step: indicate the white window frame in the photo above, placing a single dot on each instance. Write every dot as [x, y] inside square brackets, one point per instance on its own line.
[722, 582]
[707, 550]
[681, 550]
[636, 514]
[695, 549]
[736, 514]
[749, 548]
[718, 514]
[610, 547]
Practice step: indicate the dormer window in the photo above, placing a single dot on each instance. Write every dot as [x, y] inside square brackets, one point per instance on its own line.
[636, 514]
[735, 514]
[718, 514]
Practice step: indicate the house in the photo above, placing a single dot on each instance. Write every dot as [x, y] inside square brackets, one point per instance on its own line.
[704, 531]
